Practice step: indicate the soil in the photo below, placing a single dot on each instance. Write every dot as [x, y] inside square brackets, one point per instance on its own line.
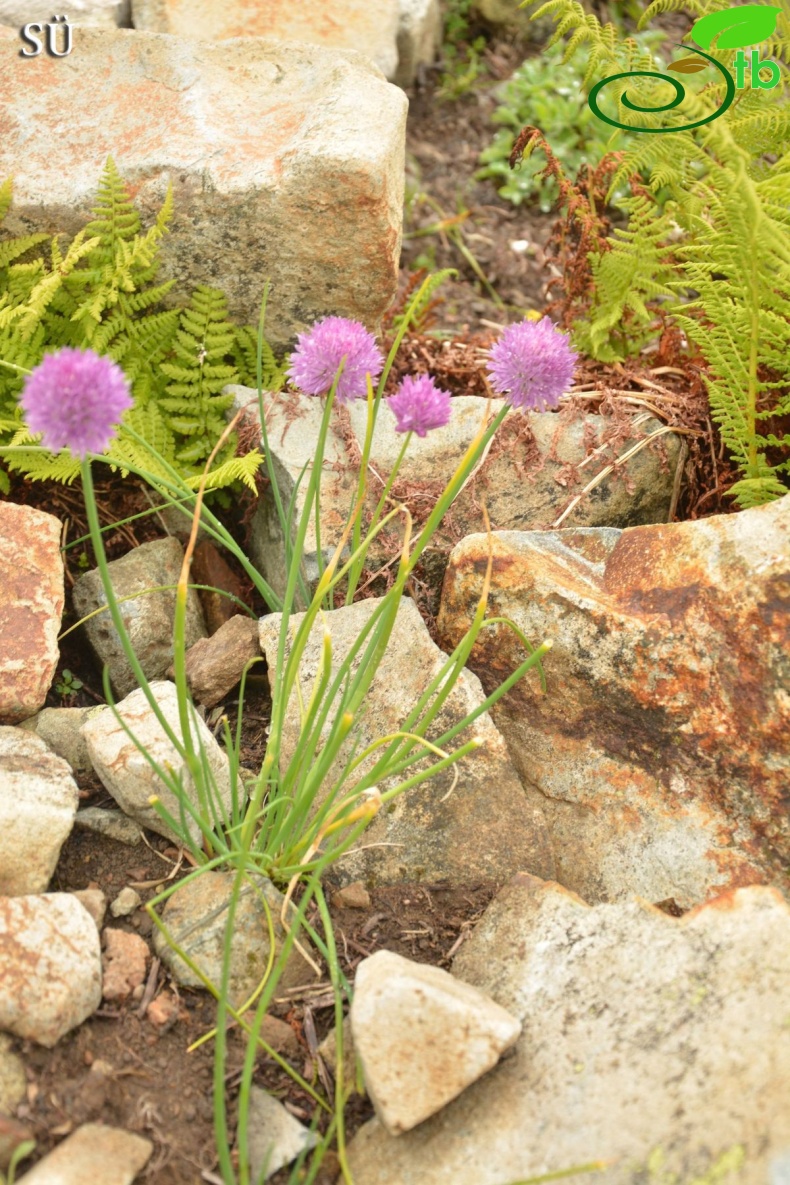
[151, 1084]
[444, 144]
[119, 1068]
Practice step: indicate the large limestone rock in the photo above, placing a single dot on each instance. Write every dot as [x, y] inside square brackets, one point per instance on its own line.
[287, 162]
[127, 775]
[422, 1036]
[31, 604]
[419, 37]
[38, 802]
[661, 753]
[481, 827]
[147, 615]
[50, 966]
[398, 35]
[660, 1045]
[525, 482]
[109, 13]
[369, 26]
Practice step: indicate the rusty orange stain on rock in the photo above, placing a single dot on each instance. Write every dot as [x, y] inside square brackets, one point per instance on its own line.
[670, 664]
[30, 608]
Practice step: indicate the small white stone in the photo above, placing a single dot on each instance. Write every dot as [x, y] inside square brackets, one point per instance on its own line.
[95, 902]
[275, 1137]
[422, 1037]
[125, 903]
[13, 1080]
[38, 802]
[125, 771]
[93, 1153]
[50, 960]
[114, 824]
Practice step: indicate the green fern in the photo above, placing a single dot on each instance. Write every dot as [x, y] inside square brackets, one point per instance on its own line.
[101, 292]
[715, 256]
[628, 277]
[245, 357]
[194, 398]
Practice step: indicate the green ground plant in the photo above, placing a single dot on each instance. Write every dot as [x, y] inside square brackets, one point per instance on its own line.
[712, 256]
[547, 92]
[462, 51]
[101, 292]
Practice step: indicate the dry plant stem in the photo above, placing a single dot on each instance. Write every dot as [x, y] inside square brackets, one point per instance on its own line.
[599, 477]
[678, 482]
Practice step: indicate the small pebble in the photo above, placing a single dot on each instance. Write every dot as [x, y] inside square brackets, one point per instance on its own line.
[163, 1011]
[124, 962]
[125, 903]
[114, 824]
[354, 896]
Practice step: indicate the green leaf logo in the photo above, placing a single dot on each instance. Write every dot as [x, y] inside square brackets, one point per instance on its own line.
[745, 25]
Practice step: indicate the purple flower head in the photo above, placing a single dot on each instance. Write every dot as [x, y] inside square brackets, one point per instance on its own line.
[75, 398]
[318, 354]
[419, 405]
[532, 364]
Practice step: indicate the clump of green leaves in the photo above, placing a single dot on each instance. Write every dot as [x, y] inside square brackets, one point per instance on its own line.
[462, 51]
[547, 92]
[101, 292]
[68, 684]
[707, 245]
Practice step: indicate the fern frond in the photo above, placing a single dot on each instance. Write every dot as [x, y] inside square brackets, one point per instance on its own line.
[419, 304]
[13, 248]
[6, 195]
[236, 469]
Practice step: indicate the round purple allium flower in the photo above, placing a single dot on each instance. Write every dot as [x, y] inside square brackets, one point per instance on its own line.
[419, 405]
[532, 364]
[75, 398]
[318, 354]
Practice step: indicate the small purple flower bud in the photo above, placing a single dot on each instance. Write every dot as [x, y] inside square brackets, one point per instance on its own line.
[318, 354]
[75, 399]
[532, 364]
[419, 405]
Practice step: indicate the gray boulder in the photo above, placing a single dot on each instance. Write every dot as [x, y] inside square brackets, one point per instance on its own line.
[656, 1044]
[526, 481]
[480, 827]
[148, 616]
[661, 752]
